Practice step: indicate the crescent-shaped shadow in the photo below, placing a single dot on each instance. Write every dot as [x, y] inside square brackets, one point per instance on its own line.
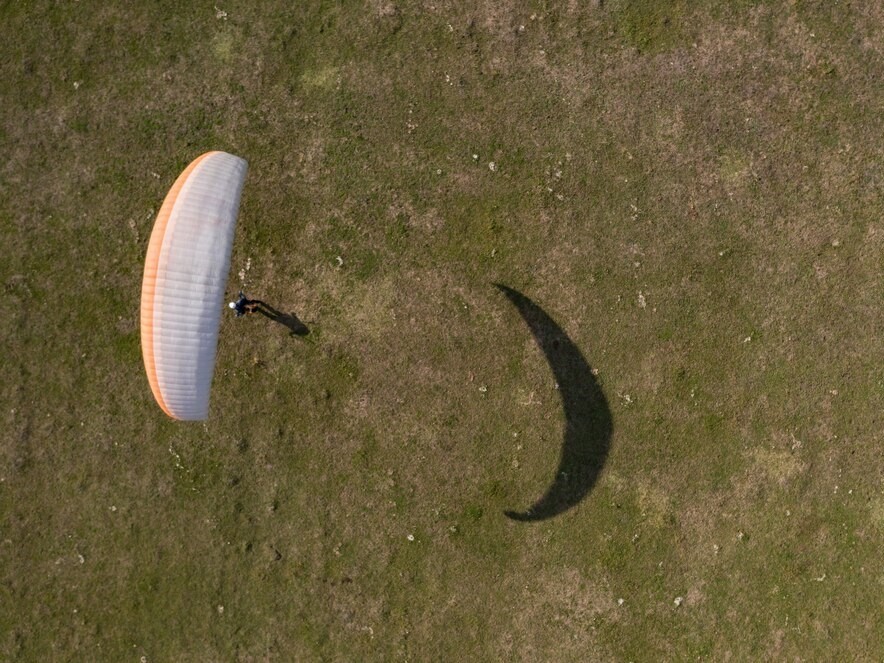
[588, 423]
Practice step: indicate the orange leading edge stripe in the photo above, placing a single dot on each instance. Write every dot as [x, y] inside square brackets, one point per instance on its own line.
[148, 286]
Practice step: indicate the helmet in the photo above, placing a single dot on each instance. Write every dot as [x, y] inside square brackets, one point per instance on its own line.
[232, 304]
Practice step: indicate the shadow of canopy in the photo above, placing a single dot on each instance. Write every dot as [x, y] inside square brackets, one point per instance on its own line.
[588, 423]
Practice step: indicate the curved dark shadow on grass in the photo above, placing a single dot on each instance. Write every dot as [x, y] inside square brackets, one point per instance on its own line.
[588, 423]
[289, 320]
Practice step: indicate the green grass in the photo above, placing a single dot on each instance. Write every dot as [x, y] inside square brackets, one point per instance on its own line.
[692, 191]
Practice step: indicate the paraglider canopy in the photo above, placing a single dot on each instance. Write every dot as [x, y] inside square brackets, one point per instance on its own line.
[185, 273]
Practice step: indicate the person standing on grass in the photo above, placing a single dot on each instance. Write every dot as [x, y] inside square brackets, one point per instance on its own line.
[244, 305]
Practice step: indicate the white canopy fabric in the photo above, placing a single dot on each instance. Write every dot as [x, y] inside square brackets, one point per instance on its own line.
[185, 273]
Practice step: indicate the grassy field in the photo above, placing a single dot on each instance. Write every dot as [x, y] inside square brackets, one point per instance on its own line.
[685, 201]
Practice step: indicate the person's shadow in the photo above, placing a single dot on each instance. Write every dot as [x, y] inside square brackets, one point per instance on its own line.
[290, 320]
[588, 423]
